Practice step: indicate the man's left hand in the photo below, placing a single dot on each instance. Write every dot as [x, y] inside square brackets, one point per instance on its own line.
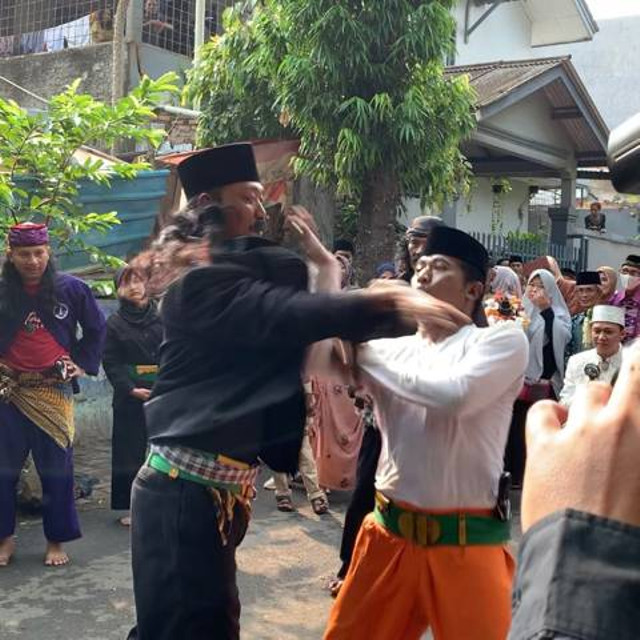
[73, 370]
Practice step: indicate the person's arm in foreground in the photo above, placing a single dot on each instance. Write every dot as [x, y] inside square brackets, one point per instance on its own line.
[579, 567]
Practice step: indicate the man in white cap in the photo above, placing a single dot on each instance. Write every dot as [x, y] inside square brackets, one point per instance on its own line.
[601, 363]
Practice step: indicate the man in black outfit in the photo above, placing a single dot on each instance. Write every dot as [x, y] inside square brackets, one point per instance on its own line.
[228, 394]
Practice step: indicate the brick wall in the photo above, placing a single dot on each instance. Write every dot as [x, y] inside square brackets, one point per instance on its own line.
[181, 130]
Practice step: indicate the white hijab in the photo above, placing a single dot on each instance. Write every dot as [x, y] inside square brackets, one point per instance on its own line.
[506, 281]
[536, 333]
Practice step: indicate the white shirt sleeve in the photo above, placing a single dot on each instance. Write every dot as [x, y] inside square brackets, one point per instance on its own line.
[570, 380]
[489, 368]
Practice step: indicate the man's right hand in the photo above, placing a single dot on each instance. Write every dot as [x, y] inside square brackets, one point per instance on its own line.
[590, 464]
[140, 394]
[416, 306]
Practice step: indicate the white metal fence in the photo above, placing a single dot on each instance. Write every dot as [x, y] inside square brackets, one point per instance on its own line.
[504, 246]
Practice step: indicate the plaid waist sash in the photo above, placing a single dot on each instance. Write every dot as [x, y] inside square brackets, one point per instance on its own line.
[229, 482]
[213, 470]
[438, 529]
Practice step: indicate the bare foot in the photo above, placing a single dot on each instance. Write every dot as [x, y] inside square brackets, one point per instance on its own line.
[125, 521]
[7, 547]
[55, 556]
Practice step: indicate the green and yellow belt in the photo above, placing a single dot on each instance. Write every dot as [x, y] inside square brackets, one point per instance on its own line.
[432, 529]
[161, 464]
[143, 372]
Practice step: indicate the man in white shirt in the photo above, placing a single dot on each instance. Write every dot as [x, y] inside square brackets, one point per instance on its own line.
[433, 553]
[601, 363]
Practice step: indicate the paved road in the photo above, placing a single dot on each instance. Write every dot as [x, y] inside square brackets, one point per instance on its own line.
[285, 562]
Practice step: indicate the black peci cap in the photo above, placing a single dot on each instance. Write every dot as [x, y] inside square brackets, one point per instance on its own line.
[587, 278]
[632, 261]
[458, 244]
[217, 167]
[515, 258]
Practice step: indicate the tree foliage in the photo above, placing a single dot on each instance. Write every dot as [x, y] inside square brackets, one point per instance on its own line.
[40, 176]
[362, 84]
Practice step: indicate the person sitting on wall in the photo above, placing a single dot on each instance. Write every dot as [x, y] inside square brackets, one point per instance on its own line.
[595, 220]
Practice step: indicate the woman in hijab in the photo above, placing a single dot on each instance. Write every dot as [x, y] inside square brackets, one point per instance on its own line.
[386, 271]
[506, 282]
[609, 281]
[134, 334]
[549, 332]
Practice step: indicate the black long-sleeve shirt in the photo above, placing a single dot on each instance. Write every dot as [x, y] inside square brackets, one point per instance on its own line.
[130, 344]
[235, 339]
[578, 578]
[549, 365]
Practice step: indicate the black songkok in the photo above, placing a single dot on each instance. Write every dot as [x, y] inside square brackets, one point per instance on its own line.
[587, 278]
[515, 259]
[458, 244]
[217, 167]
[632, 261]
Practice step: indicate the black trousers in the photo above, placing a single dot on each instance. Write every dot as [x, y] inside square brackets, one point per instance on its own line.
[363, 497]
[515, 456]
[128, 448]
[184, 578]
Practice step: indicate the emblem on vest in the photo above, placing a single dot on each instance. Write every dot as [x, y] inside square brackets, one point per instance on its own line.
[60, 311]
[32, 323]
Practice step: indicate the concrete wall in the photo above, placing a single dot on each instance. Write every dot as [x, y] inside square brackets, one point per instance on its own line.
[619, 223]
[474, 213]
[504, 35]
[46, 74]
[609, 250]
[155, 61]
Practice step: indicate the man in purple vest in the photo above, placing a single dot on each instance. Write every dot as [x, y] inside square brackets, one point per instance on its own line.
[40, 359]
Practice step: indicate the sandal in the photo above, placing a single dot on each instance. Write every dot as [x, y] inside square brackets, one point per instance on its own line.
[320, 506]
[283, 503]
[334, 587]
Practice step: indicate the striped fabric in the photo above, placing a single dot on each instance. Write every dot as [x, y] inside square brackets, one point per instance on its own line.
[46, 401]
[208, 466]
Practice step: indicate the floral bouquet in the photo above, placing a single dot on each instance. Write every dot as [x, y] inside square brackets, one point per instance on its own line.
[502, 308]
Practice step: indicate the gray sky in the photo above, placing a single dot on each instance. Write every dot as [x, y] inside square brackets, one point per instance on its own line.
[603, 9]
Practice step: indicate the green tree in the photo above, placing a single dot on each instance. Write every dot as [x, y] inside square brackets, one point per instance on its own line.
[39, 173]
[362, 84]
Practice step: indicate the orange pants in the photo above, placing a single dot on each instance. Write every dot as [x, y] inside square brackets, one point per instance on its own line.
[395, 590]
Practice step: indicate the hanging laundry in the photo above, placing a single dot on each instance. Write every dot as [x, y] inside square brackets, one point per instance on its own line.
[54, 38]
[32, 42]
[77, 32]
[7, 44]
